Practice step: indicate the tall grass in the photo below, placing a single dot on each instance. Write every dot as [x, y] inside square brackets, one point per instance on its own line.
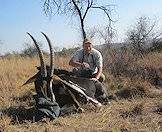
[129, 113]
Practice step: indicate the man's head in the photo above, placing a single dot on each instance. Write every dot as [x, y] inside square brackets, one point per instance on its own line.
[87, 45]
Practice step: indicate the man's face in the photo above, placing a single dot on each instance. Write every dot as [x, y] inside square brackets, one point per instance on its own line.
[87, 47]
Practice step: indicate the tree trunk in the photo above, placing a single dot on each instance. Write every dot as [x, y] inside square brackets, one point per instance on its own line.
[82, 29]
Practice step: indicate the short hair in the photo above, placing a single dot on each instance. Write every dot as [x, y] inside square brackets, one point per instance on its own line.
[86, 40]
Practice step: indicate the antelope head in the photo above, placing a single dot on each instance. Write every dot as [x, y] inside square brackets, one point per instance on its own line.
[44, 78]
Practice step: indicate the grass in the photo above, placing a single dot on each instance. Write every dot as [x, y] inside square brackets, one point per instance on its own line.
[138, 106]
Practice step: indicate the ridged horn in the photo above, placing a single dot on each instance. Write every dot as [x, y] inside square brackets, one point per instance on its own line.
[40, 53]
[30, 80]
[51, 55]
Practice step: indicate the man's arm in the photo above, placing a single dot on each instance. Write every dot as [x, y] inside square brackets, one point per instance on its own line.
[75, 63]
[98, 74]
[99, 63]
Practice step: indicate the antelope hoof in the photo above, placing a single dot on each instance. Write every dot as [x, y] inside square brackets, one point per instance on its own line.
[98, 105]
[80, 110]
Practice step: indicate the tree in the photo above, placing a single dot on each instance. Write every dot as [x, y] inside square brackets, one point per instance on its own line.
[104, 34]
[30, 50]
[77, 8]
[107, 34]
[142, 35]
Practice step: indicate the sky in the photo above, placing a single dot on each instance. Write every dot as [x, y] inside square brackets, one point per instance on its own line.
[20, 16]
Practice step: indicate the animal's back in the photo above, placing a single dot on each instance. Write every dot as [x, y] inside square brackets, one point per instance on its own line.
[85, 83]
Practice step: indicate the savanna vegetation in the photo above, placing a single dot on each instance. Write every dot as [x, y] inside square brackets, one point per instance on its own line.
[133, 81]
[133, 77]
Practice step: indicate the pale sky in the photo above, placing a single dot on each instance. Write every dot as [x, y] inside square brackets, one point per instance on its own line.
[20, 16]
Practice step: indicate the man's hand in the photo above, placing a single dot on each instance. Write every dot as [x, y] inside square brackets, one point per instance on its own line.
[94, 79]
[85, 65]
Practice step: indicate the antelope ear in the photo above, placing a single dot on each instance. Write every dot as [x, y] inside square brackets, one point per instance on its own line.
[30, 80]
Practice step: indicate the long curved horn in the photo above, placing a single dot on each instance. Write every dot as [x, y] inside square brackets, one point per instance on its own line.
[51, 68]
[43, 68]
[51, 55]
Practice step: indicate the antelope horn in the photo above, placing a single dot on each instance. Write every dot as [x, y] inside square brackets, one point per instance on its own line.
[51, 67]
[43, 68]
[51, 55]
[30, 80]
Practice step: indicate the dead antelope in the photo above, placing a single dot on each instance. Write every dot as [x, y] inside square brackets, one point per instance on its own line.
[56, 88]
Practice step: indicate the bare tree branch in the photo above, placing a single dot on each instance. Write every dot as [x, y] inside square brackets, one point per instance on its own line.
[79, 8]
[142, 35]
[88, 7]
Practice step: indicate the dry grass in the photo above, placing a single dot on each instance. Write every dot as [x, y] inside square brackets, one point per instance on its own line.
[151, 60]
[139, 108]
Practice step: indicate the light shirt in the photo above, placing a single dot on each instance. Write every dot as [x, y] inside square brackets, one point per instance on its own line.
[94, 59]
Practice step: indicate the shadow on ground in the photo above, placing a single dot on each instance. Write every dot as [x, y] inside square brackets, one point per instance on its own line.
[131, 92]
[24, 111]
[20, 114]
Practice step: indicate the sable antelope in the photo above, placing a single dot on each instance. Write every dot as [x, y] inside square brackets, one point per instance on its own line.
[59, 86]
